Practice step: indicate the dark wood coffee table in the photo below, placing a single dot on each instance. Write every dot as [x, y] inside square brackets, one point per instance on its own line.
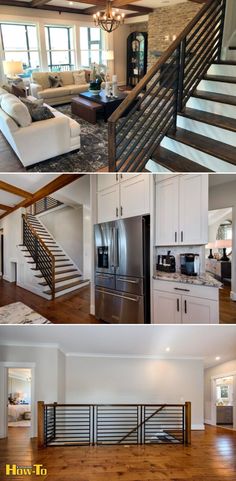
[108, 105]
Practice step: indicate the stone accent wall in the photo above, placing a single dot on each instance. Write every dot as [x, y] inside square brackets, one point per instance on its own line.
[139, 27]
[165, 24]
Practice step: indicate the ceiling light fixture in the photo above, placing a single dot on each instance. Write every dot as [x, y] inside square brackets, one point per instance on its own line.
[110, 20]
[168, 349]
[217, 358]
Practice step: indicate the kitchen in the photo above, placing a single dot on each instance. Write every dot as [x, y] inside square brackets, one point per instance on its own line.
[166, 283]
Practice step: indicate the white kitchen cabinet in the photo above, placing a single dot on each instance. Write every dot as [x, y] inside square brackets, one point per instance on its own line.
[105, 181]
[182, 210]
[197, 304]
[166, 308]
[198, 311]
[193, 209]
[108, 204]
[134, 196]
[127, 197]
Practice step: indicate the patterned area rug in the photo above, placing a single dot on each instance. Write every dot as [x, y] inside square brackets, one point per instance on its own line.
[92, 156]
[19, 313]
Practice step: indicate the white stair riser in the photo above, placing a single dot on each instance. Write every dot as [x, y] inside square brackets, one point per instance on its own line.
[69, 281]
[217, 87]
[231, 55]
[197, 156]
[207, 130]
[217, 108]
[224, 70]
[71, 289]
[152, 166]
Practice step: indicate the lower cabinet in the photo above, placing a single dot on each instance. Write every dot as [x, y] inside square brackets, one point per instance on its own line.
[175, 303]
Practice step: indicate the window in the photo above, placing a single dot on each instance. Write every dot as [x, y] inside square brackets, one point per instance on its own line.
[59, 43]
[91, 46]
[20, 43]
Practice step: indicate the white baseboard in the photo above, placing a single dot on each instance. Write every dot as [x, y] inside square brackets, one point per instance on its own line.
[30, 288]
[208, 421]
[198, 427]
[233, 296]
[7, 278]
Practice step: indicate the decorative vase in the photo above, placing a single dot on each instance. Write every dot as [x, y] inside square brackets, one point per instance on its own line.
[95, 86]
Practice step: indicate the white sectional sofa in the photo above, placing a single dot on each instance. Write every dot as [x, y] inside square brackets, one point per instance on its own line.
[41, 89]
[34, 142]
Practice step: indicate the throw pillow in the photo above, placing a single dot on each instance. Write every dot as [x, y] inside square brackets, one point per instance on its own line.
[55, 81]
[18, 91]
[7, 87]
[41, 113]
[79, 77]
[31, 104]
[13, 107]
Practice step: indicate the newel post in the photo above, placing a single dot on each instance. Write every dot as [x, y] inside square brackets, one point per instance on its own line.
[41, 424]
[188, 422]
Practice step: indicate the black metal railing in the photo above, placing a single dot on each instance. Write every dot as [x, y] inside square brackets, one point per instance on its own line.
[150, 111]
[43, 205]
[43, 258]
[85, 425]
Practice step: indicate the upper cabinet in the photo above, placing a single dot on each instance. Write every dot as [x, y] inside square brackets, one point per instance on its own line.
[182, 210]
[122, 196]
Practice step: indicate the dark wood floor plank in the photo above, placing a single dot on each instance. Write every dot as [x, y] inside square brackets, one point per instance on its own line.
[210, 119]
[176, 163]
[215, 97]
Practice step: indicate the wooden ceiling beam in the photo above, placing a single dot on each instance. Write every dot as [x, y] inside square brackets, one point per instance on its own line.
[38, 3]
[15, 190]
[56, 184]
[7, 208]
[135, 8]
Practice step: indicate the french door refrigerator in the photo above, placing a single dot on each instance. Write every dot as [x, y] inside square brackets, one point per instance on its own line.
[122, 271]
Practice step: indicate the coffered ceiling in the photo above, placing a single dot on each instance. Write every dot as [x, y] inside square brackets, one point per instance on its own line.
[87, 7]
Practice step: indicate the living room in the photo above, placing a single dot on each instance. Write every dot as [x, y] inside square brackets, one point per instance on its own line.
[58, 44]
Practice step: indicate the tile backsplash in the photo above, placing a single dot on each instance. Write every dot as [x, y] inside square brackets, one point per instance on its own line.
[177, 250]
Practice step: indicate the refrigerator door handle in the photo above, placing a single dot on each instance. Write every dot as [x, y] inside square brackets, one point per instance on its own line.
[128, 281]
[120, 297]
[115, 242]
[112, 248]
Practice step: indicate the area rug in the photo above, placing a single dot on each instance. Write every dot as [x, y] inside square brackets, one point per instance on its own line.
[19, 313]
[19, 424]
[92, 156]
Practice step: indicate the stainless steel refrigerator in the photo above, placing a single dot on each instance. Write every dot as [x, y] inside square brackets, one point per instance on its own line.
[122, 271]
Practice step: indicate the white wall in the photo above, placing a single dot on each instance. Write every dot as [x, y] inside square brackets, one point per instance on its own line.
[49, 374]
[224, 369]
[120, 380]
[66, 226]
[220, 197]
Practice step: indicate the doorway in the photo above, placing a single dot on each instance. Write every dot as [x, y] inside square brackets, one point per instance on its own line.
[224, 401]
[1, 252]
[19, 398]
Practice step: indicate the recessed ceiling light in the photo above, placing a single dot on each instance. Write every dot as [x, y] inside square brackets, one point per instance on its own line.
[71, 3]
[167, 349]
[217, 358]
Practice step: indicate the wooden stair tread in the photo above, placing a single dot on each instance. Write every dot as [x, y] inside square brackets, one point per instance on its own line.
[231, 47]
[212, 147]
[68, 286]
[221, 98]
[225, 62]
[220, 78]
[175, 162]
[211, 119]
[40, 276]
[61, 279]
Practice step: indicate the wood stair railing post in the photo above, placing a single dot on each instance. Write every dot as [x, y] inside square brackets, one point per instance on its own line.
[188, 422]
[181, 74]
[41, 424]
[112, 146]
[222, 29]
[53, 278]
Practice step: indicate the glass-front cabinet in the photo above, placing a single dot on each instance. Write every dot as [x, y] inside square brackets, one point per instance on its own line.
[136, 57]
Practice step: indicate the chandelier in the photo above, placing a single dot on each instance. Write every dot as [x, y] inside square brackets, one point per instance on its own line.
[110, 20]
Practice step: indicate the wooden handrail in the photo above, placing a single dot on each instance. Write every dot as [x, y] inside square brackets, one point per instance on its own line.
[41, 424]
[138, 89]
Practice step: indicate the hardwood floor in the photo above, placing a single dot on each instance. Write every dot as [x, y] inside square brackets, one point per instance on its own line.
[227, 307]
[73, 308]
[211, 457]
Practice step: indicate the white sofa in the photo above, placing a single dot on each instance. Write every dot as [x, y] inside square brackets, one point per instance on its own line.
[41, 89]
[41, 140]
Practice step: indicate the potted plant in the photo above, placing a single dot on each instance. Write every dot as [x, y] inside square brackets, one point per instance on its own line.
[96, 78]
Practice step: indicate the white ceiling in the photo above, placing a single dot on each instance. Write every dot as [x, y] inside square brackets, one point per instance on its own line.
[28, 182]
[189, 342]
[219, 179]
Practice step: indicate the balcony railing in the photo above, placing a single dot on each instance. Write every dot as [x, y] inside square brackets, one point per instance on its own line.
[98, 424]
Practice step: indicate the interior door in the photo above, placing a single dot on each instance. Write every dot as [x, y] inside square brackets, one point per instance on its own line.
[129, 240]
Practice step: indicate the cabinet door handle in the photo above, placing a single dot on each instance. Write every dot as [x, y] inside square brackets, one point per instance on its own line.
[185, 307]
[183, 290]
[117, 177]
[117, 212]
[175, 236]
[177, 305]
[182, 236]
[121, 211]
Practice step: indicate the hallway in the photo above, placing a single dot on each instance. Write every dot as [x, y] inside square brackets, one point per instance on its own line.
[211, 457]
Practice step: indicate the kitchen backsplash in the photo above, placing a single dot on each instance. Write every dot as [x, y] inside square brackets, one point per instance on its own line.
[177, 250]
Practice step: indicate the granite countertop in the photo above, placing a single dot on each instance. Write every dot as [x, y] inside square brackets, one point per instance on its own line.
[202, 280]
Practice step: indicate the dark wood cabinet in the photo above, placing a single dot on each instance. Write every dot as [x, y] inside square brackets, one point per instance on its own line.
[137, 48]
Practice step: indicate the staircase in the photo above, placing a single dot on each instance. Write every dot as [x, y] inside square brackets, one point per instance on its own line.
[182, 116]
[54, 270]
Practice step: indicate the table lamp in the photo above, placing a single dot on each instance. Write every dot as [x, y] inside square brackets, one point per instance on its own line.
[224, 244]
[12, 68]
[210, 246]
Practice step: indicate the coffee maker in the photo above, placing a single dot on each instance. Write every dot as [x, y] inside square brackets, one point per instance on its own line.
[166, 263]
[190, 264]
